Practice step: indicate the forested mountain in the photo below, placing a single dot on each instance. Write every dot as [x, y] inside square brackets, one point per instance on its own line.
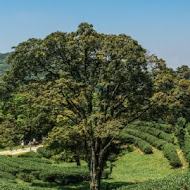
[3, 65]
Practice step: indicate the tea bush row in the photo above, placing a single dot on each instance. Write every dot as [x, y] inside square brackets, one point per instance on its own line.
[30, 155]
[170, 153]
[186, 148]
[154, 141]
[157, 132]
[8, 185]
[45, 152]
[168, 149]
[173, 182]
[143, 145]
[28, 169]
[161, 126]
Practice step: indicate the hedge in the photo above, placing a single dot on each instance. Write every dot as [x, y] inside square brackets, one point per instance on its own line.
[29, 169]
[173, 182]
[168, 149]
[30, 155]
[156, 132]
[186, 148]
[154, 141]
[143, 145]
[46, 153]
[7, 185]
[170, 153]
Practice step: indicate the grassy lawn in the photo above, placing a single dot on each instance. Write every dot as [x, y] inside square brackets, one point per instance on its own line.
[135, 167]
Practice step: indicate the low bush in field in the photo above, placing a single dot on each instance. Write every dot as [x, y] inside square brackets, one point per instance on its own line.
[154, 141]
[29, 169]
[165, 127]
[6, 175]
[46, 153]
[155, 132]
[143, 145]
[152, 124]
[170, 153]
[8, 185]
[161, 134]
[174, 182]
[26, 177]
[30, 155]
[168, 149]
[186, 148]
[71, 175]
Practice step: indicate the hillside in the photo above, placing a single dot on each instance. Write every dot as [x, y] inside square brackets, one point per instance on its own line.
[3, 65]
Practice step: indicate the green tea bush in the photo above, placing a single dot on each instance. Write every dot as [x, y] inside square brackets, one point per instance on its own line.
[167, 137]
[6, 175]
[180, 131]
[168, 149]
[46, 153]
[31, 155]
[143, 145]
[165, 127]
[64, 177]
[8, 185]
[170, 153]
[186, 148]
[154, 141]
[161, 126]
[26, 177]
[173, 182]
[156, 132]
[29, 169]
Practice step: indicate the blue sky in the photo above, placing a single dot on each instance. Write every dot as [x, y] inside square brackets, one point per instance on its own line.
[160, 26]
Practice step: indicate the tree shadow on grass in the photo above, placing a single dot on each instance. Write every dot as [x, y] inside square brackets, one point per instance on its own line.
[81, 186]
[114, 185]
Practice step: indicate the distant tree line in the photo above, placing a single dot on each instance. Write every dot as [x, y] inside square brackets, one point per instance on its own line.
[3, 65]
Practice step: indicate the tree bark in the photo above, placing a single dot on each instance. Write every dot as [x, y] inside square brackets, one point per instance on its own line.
[95, 171]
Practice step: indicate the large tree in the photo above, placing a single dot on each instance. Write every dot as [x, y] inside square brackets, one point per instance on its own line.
[97, 82]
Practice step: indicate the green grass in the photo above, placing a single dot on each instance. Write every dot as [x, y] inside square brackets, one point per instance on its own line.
[135, 167]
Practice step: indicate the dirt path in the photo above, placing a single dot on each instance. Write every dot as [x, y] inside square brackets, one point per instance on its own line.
[18, 151]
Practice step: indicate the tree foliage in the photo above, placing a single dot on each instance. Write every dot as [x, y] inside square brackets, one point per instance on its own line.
[96, 84]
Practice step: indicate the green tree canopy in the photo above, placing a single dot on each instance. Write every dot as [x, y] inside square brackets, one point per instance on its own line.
[98, 83]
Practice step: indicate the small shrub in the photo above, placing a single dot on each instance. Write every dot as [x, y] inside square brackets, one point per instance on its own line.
[30, 154]
[26, 177]
[46, 153]
[6, 175]
[170, 153]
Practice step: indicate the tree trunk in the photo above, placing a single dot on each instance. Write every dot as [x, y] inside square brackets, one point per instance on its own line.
[95, 175]
[77, 158]
[78, 161]
[95, 171]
